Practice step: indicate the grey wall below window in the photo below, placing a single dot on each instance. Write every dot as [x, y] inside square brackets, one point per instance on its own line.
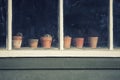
[59, 68]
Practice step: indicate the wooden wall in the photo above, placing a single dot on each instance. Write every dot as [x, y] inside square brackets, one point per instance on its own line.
[59, 68]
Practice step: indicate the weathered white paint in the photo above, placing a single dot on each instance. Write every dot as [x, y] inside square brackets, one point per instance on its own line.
[59, 53]
[111, 25]
[61, 31]
[56, 52]
[9, 35]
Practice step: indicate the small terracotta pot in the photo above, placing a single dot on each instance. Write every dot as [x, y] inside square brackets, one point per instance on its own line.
[67, 42]
[46, 42]
[17, 41]
[79, 42]
[33, 43]
[93, 42]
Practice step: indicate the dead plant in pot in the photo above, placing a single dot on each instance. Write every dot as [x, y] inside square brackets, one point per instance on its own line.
[33, 42]
[17, 40]
[46, 41]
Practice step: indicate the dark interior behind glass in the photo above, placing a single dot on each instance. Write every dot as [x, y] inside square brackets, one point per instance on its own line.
[87, 18]
[34, 18]
[3, 16]
[116, 11]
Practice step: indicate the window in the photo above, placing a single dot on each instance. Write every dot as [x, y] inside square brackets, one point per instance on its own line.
[3, 10]
[35, 18]
[60, 20]
[116, 29]
[87, 19]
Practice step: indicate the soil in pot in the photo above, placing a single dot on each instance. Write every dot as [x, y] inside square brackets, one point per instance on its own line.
[17, 41]
[67, 41]
[46, 42]
[79, 42]
[93, 42]
[33, 43]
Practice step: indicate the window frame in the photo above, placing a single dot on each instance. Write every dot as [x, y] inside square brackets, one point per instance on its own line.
[9, 52]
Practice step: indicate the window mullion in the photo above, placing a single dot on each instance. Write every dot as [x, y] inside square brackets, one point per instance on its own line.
[9, 33]
[111, 25]
[61, 33]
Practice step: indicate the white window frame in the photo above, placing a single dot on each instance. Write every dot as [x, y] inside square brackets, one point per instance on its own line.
[111, 52]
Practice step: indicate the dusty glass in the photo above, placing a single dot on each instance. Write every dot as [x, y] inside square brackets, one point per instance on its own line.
[87, 19]
[3, 20]
[116, 12]
[34, 19]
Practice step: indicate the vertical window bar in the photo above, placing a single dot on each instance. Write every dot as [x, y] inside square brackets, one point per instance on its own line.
[61, 24]
[111, 25]
[9, 33]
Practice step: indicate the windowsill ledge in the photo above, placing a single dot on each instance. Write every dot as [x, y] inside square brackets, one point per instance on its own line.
[64, 53]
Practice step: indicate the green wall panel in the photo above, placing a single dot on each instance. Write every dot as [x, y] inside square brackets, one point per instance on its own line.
[59, 63]
[60, 75]
[59, 68]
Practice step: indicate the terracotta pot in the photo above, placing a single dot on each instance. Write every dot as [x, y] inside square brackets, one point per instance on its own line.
[46, 42]
[93, 42]
[33, 43]
[67, 42]
[79, 42]
[17, 41]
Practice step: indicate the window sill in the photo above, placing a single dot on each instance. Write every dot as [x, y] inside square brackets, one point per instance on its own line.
[102, 52]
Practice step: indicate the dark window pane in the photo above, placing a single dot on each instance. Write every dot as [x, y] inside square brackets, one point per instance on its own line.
[3, 10]
[35, 18]
[116, 23]
[87, 18]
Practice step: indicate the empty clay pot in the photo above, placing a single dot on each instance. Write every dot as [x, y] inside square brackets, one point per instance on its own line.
[79, 42]
[67, 42]
[93, 42]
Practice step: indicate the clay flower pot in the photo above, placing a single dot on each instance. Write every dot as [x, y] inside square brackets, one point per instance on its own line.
[93, 42]
[33, 43]
[67, 41]
[46, 41]
[79, 42]
[17, 41]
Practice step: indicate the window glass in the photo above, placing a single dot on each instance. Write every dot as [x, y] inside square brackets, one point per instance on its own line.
[3, 10]
[34, 19]
[86, 19]
[116, 11]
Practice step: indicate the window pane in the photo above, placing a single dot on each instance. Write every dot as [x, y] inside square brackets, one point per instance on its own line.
[87, 19]
[35, 18]
[3, 10]
[116, 23]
